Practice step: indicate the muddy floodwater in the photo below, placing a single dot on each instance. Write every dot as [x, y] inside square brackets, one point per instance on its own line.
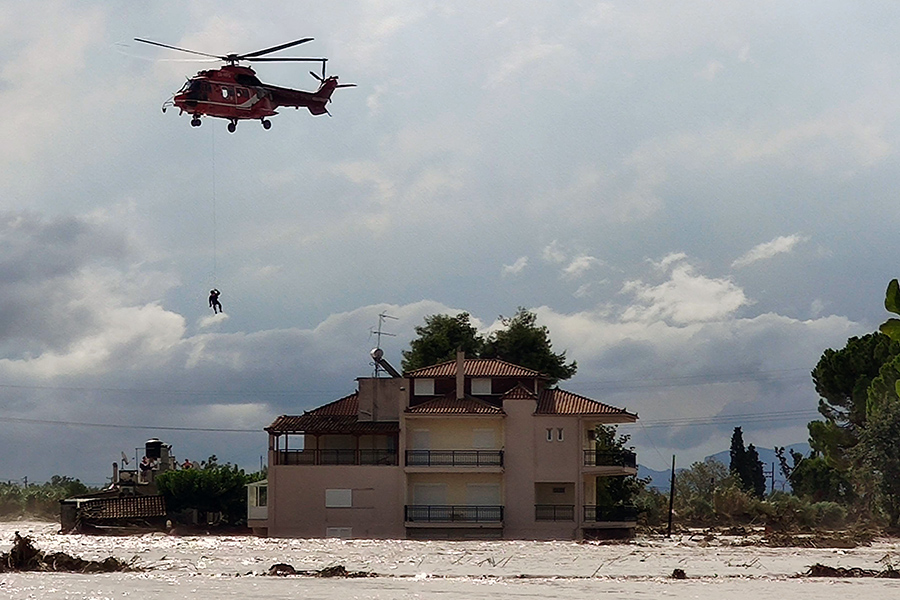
[235, 567]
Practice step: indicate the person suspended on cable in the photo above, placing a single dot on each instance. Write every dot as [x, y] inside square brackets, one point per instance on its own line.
[214, 301]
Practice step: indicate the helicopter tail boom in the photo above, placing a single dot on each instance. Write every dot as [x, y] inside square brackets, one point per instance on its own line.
[315, 102]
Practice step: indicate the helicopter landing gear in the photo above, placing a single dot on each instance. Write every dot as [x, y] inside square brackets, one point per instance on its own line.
[195, 122]
[267, 124]
[232, 126]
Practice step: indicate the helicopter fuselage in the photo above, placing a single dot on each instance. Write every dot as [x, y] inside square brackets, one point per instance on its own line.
[234, 92]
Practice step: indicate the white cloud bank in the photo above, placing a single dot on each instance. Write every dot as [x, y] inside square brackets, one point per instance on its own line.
[780, 245]
[122, 360]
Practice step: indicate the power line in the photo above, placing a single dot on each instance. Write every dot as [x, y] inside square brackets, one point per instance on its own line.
[767, 417]
[679, 422]
[693, 380]
[123, 426]
[181, 392]
[647, 382]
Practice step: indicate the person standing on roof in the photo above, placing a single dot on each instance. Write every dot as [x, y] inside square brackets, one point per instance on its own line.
[214, 301]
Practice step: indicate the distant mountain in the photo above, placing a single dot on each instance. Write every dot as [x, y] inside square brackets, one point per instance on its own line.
[659, 480]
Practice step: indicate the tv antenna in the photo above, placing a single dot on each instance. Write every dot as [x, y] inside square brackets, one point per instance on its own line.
[377, 352]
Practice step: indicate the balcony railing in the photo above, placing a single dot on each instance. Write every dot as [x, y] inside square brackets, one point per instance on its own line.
[454, 458]
[554, 512]
[592, 458]
[442, 513]
[337, 457]
[604, 514]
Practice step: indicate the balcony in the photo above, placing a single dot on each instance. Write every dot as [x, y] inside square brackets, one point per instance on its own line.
[337, 457]
[609, 514]
[422, 513]
[626, 459]
[454, 458]
[554, 512]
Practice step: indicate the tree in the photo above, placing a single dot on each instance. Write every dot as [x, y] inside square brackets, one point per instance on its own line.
[745, 464]
[813, 479]
[520, 341]
[880, 454]
[842, 379]
[213, 488]
[439, 340]
[615, 491]
[695, 490]
[524, 343]
[757, 476]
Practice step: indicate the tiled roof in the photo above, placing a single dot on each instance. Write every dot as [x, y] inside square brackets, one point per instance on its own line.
[339, 416]
[560, 402]
[124, 507]
[450, 405]
[476, 367]
[312, 423]
[520, 392]
[346, 406]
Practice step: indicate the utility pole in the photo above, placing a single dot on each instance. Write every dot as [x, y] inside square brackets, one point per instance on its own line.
[671, 497]
[771, 476]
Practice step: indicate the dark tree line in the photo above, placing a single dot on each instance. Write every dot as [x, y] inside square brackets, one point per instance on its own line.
[520, 341]
[746, 465]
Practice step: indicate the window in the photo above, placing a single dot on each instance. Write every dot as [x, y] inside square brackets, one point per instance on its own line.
[262, 495]
[423, 387]
[481, 386]
[549, 435]
[338, 498]
[559, 434]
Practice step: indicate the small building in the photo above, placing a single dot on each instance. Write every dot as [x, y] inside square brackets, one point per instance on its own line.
[131, 502]
[471, 448]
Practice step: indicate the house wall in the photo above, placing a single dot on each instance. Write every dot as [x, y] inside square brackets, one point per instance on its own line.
[453, 434]
[519, 468]
[381, 399]
[544, 494]
[457, 484]
[297, 500]
[556, 460]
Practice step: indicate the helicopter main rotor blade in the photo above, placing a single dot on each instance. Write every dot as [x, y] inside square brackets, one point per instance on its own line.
[274, 48]
[179, 49]
[284, 59]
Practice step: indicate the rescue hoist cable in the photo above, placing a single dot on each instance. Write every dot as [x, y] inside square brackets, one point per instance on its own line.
[214, 223]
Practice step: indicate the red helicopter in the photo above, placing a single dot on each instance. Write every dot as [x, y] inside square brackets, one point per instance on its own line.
[234, 92]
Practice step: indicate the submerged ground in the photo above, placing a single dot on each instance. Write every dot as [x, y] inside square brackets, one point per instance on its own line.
[234, 567]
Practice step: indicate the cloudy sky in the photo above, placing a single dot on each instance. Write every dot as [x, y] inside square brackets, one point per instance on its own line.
[696, 198]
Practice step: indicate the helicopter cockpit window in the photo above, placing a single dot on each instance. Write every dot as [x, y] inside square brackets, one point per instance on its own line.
[192, 87]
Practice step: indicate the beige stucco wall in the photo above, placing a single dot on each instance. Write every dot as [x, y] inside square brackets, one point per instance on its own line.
[456, 484]
[556, 460]
[519, 468]
[455, 433]
[543, 493]
[297, 500]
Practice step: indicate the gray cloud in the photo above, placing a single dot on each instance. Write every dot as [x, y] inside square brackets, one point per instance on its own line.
[564, 132]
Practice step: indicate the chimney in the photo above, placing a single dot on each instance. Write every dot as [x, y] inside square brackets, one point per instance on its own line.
[460, 374]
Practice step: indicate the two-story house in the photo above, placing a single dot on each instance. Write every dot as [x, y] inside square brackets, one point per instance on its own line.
[471, 448]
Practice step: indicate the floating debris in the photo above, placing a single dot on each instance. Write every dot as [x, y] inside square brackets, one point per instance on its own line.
[820, 570]
[25, 557]
[284, 570]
